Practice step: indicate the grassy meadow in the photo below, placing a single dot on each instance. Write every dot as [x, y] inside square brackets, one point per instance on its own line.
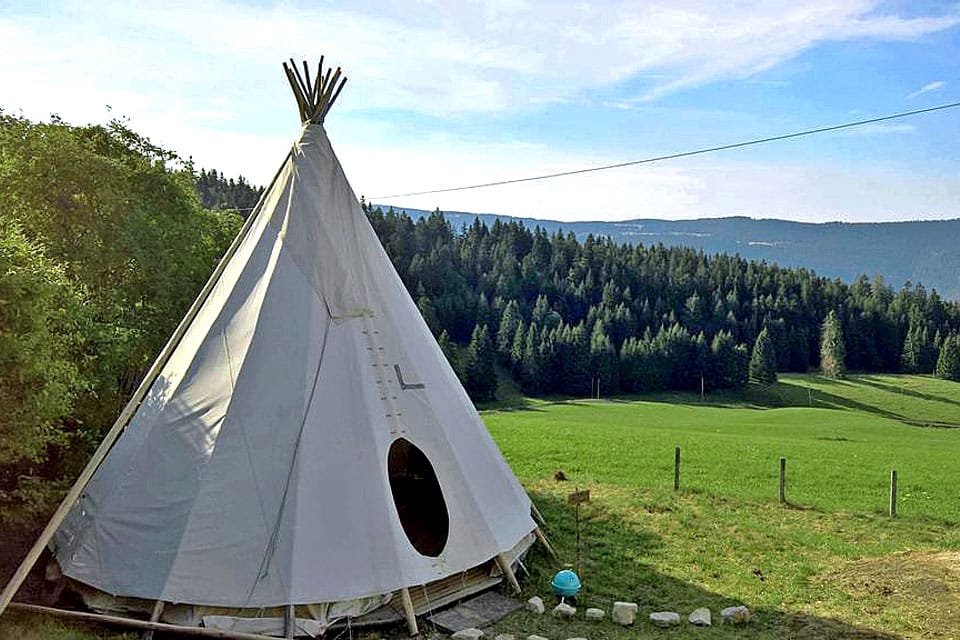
[829, 564]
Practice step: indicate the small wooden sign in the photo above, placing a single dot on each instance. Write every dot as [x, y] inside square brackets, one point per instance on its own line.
[579, 496]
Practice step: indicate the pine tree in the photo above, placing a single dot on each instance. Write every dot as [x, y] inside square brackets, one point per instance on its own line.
[763, 362]
[948, 364]
[832, 352]
[481, 377]
[509, 322]
[450, 351]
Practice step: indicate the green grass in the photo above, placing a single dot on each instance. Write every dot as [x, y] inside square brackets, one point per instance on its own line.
[724, 539]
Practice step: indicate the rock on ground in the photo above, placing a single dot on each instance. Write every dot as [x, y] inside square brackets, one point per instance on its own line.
[665, 618]
[595, 614]
[504, 636]
[535, 604]
[700, 617]
[563, 610]
[470, 633]
[735, 615]
[624, 612]
[536, 638]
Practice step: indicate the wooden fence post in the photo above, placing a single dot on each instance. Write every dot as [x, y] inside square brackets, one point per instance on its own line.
[893, 493]
[783, 481]
[676, 468]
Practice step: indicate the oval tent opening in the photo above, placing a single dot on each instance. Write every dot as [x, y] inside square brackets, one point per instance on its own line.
[418, 498]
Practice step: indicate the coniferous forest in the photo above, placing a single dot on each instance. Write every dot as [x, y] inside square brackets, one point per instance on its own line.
[106, 238]
[560, 314]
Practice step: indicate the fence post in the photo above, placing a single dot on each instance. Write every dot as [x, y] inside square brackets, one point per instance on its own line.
[893, 493]
[676, 468]
[783, 480]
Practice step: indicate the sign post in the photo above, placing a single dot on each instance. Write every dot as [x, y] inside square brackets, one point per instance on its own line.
[577, 498]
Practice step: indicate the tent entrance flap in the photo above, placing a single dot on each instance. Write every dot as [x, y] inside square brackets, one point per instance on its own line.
[418, 498]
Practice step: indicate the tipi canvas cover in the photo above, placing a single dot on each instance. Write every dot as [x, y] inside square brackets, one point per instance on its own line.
[306, 442]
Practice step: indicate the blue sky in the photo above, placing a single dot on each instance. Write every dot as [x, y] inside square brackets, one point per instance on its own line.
[449, 93]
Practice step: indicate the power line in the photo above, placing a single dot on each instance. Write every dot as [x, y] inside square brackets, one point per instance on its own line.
[683, 154]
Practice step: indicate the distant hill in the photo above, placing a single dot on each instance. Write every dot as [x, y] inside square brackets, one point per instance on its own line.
[926, 252]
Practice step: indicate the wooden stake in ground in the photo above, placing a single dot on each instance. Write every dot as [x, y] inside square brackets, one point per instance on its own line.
[676, 468]
[893, 493]
[783, 481]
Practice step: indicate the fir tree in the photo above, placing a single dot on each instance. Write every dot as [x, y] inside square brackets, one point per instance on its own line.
[763, 362]
[479, 372]
[450, 351]
[948, 364]
[832, 351]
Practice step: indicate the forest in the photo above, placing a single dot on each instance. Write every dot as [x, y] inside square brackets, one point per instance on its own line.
[105, 238]
[559, 313]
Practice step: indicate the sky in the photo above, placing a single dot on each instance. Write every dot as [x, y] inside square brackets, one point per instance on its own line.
[443, 94]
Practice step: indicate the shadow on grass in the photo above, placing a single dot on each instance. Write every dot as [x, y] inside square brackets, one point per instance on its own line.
[612, 566]
[871, 381]
[789, 394]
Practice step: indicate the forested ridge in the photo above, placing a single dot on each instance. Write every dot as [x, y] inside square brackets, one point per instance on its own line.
[559, 313]
[105, 240]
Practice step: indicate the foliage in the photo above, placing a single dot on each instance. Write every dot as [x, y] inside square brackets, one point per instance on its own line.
[948, 363]
[763, 360]
[832, 352]
[217, 192]
[480, 378]
[104, 244]
[40, 314]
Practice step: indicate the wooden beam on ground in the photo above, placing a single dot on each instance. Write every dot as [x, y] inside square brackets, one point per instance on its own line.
[201, 632]
[409, 612]
[508, 572]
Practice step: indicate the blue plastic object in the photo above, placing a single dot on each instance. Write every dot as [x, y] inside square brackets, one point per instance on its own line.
[566, 584]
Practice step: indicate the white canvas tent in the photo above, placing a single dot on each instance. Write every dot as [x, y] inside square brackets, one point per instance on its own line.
[301, 451]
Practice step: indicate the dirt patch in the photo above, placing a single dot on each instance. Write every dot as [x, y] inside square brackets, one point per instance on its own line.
[919, 587]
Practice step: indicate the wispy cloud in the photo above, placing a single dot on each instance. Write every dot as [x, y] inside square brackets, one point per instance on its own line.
[927, 88]
[439, 58]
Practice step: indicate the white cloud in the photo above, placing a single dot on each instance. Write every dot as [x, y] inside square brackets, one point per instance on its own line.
[927, 88]
[433, 57]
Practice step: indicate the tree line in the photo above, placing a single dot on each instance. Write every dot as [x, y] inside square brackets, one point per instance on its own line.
[103, 246]
[561, 315]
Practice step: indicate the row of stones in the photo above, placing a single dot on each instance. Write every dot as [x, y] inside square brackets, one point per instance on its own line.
[625, 613]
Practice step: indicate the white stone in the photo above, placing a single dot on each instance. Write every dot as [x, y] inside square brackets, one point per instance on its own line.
[563, 610]
[700, 617]
[735, 615]
[624, 612]
[535, 604]
[470, 633]
[504, 636]
[595, 614]
[536, 638]
[665, 618]
[576, 639]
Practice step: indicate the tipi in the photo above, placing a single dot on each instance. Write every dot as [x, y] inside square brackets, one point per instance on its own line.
[301, 451]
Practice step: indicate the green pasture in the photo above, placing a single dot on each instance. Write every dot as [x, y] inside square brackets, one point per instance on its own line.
[829, 564]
